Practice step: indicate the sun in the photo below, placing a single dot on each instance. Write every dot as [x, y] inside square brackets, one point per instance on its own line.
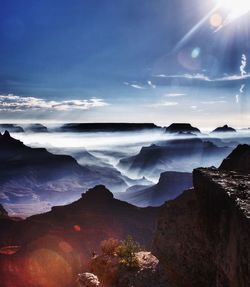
[235, 8]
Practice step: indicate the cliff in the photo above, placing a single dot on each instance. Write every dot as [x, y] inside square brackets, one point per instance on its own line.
[203, 236]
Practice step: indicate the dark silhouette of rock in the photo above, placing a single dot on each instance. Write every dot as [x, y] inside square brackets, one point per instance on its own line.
[170, 185]
[202, 238]
[182, 128]
[107, 127]
[65, 238]
[3, 212]
[13, 128]
[224, 129]
[238, 160]
[36, 128]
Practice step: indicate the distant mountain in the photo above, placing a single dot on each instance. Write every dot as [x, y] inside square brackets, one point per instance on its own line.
[224, 129]
[36, 128]
[182, 128]
[53, 247]
[238, 160]
[170, 185]
[13, 128]
[36, 176]
[107, 127]
[177, 155]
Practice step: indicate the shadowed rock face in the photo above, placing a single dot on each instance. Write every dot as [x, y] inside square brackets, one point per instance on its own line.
[170, 185]
[182, 128]
[203, 236]
[55, 246]
[238, 160]
[224, 129]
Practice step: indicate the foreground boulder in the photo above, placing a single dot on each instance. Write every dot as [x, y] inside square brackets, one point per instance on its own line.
[148, 273]
[88, 280]
[203, 236]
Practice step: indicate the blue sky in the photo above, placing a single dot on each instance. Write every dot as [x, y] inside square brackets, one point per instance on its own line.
[92, 60]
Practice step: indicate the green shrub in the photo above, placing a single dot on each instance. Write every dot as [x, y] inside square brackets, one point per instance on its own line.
[127, 252]
[109, 247]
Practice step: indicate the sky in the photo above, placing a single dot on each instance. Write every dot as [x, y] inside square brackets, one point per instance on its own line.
[158, 61]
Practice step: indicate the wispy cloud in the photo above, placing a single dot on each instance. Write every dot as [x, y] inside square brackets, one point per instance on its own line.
[12, 102]
[135, 86]
[164, 104]
[151, 85]
[213, 102]
[174, 95]
[203, 77]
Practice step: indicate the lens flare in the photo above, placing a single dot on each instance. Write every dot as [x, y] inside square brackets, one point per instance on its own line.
[235, 8]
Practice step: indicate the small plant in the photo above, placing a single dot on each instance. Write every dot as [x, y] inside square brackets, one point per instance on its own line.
[109, 247]
[127, 252]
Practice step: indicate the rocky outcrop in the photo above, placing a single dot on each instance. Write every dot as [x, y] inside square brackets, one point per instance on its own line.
[203, 236]
[224, 129]
[88, 280]
[182, 128]
[238, 160]
[148, 272]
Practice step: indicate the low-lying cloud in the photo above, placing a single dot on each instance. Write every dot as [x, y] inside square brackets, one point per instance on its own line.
[12, 102]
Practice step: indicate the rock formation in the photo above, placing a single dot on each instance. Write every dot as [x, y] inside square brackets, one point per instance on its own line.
[107, 127]
[238, 160]
[203, 236]
[171, 184]
[182, 128]
[224, 129]
[148, 272]
[175, 155]
[88, 280]
[36, 128]
[33, 175]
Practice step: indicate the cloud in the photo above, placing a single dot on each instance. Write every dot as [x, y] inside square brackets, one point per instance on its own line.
[151, 85]
[213, 102]
[203, 77]
[185, 76]
[173, 95]
[135, 86]
[237, 99]
[12, 102]
[164, 104]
